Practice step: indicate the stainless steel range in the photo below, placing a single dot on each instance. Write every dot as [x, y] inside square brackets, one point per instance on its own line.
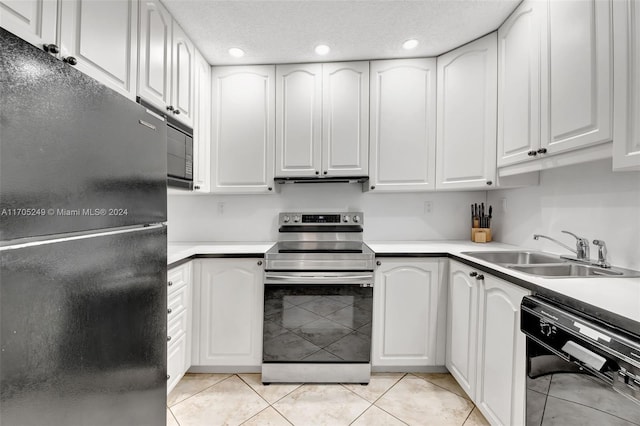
[318, 300]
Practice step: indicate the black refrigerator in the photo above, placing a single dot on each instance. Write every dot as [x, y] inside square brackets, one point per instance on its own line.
[82, 248]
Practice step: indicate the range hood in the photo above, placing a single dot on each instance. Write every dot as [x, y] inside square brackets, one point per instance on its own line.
[327, 179]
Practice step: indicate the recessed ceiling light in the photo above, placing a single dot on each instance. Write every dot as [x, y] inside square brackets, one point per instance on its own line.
[322, 49]
[412, 43]
[236, 52]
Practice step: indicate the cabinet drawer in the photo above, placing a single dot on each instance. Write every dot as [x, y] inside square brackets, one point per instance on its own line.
[176, 357]
[176, 328]
[178, 277]
[177, 302]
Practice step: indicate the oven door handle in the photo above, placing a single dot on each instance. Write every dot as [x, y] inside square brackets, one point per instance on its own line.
[320, 278]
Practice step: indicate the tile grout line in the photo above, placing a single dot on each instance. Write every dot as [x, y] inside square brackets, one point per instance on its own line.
[265, 400]
[442, 387]
[173, 415]
[385, 392]
[199, 392]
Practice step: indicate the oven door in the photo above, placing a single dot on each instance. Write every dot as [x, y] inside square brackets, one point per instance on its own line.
[317, 317]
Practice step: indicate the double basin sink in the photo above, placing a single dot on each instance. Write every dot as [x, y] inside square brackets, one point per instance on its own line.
[549, 265]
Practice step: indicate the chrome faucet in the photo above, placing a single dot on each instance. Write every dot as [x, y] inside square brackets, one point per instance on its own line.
[582, 245]
[602, 254]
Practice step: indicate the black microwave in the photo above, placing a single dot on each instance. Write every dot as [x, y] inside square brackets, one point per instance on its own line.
[179, 150]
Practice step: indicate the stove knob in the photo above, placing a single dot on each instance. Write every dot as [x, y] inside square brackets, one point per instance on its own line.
[356, 218]
[345, 219]
[286, 219]
[296, 218]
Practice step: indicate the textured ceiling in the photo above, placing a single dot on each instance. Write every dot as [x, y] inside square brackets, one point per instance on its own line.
[287, 31]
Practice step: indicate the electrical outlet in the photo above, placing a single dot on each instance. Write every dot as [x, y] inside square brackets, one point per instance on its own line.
[220, 208]
[428, 206]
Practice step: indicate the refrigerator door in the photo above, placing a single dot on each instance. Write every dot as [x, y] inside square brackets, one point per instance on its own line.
[83, 331]
[74, 154]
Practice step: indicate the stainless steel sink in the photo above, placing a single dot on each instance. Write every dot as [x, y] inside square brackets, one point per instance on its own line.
[568, 270]
[516, 257]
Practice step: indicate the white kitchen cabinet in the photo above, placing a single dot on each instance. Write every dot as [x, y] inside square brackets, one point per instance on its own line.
[243, 126]
[202, 126]
[462, 326]
[521, 41]
[407, 314]
[466, 114]
[485, 347]
[32, 20]
[578, 75]
[403, 125]
[111, 60]
[322, 116]
[154, 55]
[183, 55]
[230, 313]
[626, 66]
[500, 392]
[179, 320]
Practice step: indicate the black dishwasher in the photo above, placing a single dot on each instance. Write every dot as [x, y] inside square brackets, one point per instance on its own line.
[579, 370]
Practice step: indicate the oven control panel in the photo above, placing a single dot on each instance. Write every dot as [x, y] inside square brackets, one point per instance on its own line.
[315, 219]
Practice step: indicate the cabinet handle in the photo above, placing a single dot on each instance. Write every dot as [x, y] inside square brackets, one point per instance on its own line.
[259, 262]
[373, 187]
[317, 172]
[170, 108]
[532, 153]
[489, 183]
[168, 338]
[473, 274]
[270, 188]
[70, 60]
[168, 376]
[324, 173]
[170, 283]
[176, 111]
[51, 48]
[169, 310]
[542, 151]
[378, 263]
[480, 277]
[196, 187]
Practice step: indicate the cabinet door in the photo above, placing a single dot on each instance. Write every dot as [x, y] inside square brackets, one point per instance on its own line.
[462, 325]
[626, 42]
[500, 390]
[182, 75]
[202, 126]
[520, 40]
[466, 144]
[231, 293]
[579, 74]
[154, 55]
[31, 20]
[405, 313]
[403, 125]
[345, 119]
[243, 129]
[111, 60]
[298, 120]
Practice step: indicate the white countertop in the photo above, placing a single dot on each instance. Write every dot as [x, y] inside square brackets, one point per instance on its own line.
[620, 296]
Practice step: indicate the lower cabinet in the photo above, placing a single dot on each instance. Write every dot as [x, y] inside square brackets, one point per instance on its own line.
[179, 316]
[229, 300]
[408, 314]
[485, 348]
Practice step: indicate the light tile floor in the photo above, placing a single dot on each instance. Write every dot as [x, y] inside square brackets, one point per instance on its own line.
[389, 399]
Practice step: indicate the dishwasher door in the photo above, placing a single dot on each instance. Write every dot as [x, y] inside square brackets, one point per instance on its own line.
[578, 372]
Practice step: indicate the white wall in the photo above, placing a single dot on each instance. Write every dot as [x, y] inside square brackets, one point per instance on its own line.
[387, 216]
[587, 199]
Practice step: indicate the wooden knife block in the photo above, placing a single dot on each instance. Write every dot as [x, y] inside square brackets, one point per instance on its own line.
[480, 235]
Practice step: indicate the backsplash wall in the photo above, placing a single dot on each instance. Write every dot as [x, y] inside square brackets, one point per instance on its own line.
[400, 216]
[587, 199]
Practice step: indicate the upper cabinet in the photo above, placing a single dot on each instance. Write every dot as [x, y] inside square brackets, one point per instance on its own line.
[578, 74]
[626, 57]
[34, 21]
[519, 90]
[243, 127]
[111, 60]
[202, 126]
[403, 125]
[466, 112]
[167, 57]
[322, 115]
